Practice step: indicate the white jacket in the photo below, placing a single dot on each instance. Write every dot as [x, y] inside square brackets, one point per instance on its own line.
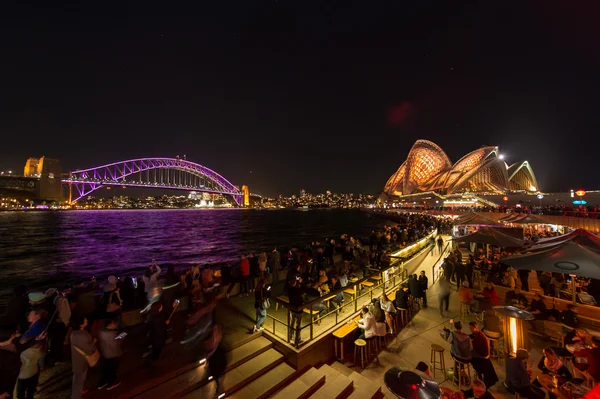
[368, 324]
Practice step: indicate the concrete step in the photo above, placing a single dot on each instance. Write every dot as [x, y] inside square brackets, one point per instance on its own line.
[339, 367]
[266, 384]
[198, 376]
[337, 385]
[303, 386]
[241, 375]
[363, 387]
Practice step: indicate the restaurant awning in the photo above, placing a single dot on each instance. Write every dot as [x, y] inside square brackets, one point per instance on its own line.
[474, 218]
[492, 236]
[512, 216]
[529, 219]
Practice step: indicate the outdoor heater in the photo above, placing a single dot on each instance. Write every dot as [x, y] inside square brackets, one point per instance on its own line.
[515, 333]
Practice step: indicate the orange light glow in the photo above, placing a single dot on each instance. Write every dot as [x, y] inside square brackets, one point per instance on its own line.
[580, 193]
[513, 336]
[505, 198]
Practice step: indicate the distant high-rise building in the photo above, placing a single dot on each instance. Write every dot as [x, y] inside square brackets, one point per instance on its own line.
[302, 193]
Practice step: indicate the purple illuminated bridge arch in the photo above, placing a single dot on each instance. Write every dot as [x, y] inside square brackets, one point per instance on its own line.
[170, 173]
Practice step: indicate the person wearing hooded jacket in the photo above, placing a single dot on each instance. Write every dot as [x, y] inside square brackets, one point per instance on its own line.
[461, 345]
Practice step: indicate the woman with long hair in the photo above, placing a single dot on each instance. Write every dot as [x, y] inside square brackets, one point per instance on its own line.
[388, 307]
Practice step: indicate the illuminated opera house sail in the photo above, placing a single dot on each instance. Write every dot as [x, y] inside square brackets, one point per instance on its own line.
[428, 169]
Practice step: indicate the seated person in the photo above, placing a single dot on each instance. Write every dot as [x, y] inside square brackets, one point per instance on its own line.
[488, 297]
[366, 325]
[323, 279]
[538, 307]
[575, 336]
[550, 363]
[518, 379]
[516, 298]
[466, 296]
[593, 357]
[461, 342]
[334, 284]
[401, 300]
[569, 316]
[313, 293]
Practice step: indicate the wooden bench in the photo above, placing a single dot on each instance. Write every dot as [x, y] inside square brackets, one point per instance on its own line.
[281, 298]
[351, 291]
[342, 333]
[367, 284]
[377, 279]
[315, 314]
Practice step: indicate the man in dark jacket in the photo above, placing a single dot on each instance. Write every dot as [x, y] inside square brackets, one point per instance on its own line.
[517, 377]
[414, 286]
[296, 308]
[480, 353]
[274, 263]
[423, 283]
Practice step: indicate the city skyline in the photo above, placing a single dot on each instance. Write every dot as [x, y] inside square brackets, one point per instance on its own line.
[281, 96]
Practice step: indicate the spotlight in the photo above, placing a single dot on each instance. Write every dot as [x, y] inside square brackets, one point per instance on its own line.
[202, 361]
[501, 156]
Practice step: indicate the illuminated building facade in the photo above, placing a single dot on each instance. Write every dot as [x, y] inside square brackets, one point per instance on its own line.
[246, 193]
[428, 169]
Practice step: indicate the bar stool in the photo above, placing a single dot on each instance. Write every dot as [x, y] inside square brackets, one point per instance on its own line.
[372, 345]
[433, 365]
[498, 347]
[403, 315]
[465, 310]
[360, 345]
[461, 365]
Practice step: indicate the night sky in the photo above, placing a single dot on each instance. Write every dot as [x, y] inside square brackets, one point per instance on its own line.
[284, 95]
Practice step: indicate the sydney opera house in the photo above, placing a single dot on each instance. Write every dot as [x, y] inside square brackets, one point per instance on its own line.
[428, 169]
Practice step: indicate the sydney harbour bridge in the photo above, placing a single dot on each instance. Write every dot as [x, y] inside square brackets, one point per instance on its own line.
[43, 177]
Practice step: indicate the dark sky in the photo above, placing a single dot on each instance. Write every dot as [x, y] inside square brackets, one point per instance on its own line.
[305, 94]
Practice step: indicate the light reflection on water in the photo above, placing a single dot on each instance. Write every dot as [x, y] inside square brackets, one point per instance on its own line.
[41, 249]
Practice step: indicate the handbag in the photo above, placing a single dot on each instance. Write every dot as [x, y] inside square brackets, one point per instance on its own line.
[91, 358]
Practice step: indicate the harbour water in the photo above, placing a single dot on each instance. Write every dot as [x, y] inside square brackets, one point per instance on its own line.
[43, 249]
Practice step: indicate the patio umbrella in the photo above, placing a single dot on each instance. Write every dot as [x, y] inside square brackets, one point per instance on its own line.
[491, 236]
[411, 384]
[476, 218]
[568, 257]
[579, 236]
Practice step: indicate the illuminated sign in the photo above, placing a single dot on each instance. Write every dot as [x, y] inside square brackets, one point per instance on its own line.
[580, 193]
[579, 202]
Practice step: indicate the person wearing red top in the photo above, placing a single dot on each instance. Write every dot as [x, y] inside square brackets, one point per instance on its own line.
[480, 356]
[245, 275]
[490, 294]
[593, 358]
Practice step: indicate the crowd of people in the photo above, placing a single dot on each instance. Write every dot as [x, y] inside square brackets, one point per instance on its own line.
[83, 323]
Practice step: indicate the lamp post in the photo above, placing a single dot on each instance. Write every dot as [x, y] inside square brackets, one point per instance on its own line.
[540, 196]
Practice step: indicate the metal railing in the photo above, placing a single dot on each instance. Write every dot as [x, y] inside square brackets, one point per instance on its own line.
[391, 278]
